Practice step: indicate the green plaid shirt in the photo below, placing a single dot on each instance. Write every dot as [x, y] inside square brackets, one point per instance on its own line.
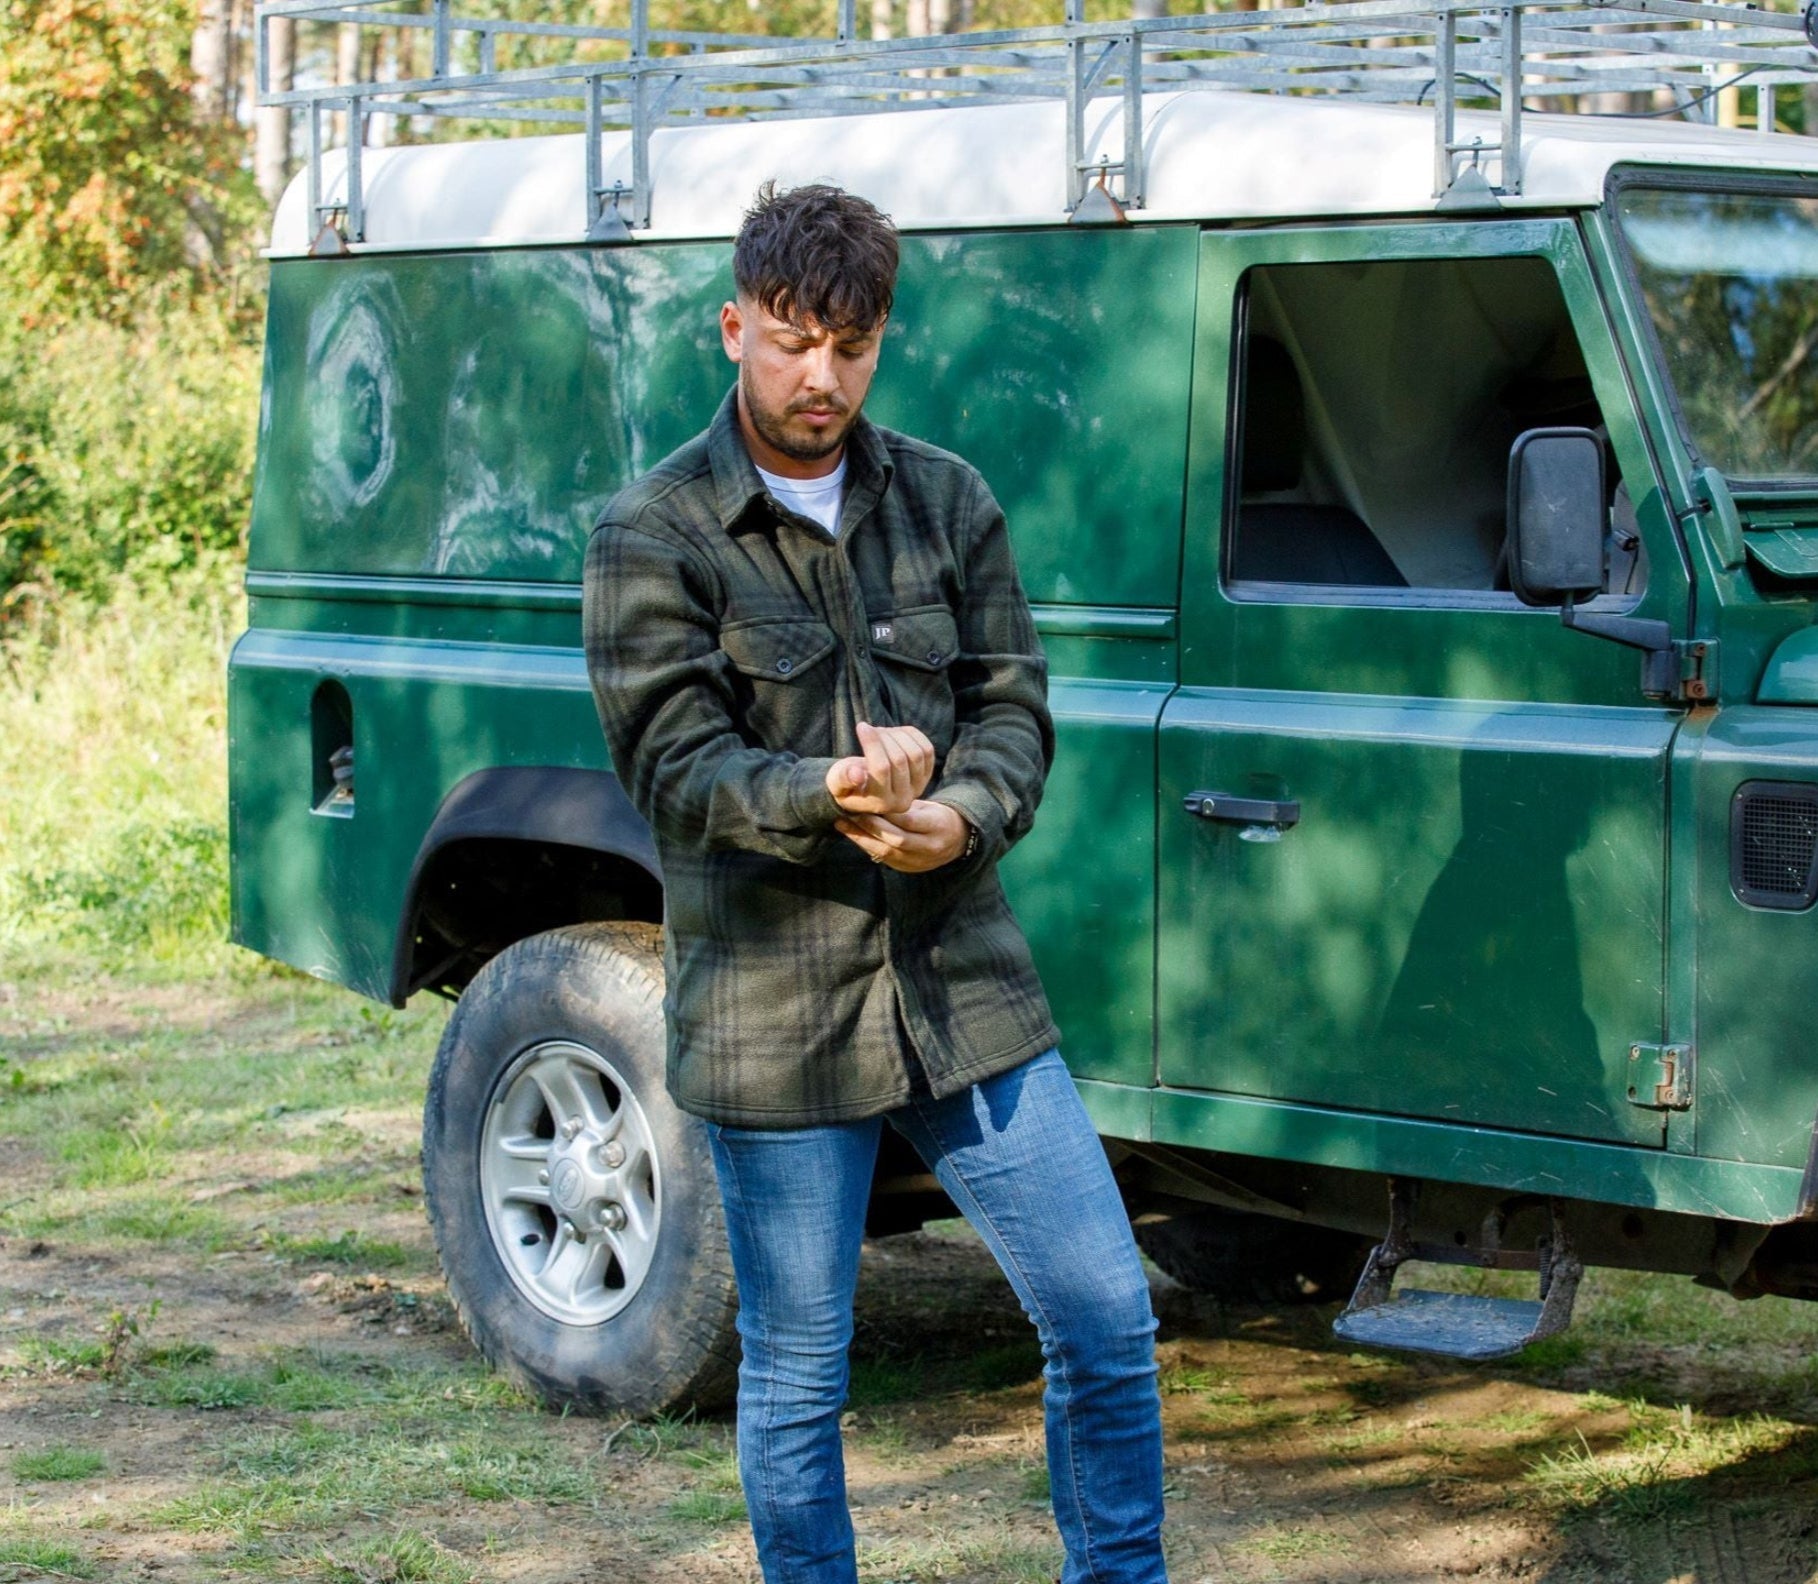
[733, 646]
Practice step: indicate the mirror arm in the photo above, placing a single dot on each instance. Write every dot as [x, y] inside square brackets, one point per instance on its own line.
[1656, 637]
[1660, 661]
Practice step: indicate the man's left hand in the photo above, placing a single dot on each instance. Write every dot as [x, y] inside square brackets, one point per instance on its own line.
[922, 837]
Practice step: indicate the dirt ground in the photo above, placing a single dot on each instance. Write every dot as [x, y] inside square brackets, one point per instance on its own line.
[245, 1401]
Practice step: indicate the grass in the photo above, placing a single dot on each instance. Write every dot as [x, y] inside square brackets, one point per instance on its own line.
[54, 1356]
[405, 1556]
[1206, 1385]
[295, 1380]
[944, 1556]
[708, 1507]
[312, 1475]
[880, 1381]
[264, 1082]
[22, 1559]
[59, 1463]
[1669, 1461]
[1296, 1545]
[350, 1247]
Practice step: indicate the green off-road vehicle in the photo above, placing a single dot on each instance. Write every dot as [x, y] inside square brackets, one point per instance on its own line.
[1417, 489]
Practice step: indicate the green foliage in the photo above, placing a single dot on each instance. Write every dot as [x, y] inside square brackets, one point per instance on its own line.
[125, 451]
[112, 192]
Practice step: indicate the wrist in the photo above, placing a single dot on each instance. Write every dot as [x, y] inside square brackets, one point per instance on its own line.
[981, 814]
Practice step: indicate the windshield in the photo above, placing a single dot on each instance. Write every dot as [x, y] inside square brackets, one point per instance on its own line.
[1731, 283]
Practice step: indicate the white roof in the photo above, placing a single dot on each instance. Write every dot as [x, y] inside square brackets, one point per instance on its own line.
[1209, 154]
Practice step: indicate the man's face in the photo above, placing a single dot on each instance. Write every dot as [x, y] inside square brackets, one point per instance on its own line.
[800, 385]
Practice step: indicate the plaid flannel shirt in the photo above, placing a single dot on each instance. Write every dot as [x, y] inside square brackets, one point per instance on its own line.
[732, 648]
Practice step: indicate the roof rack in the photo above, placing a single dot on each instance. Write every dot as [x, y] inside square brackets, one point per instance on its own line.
[1512, 54]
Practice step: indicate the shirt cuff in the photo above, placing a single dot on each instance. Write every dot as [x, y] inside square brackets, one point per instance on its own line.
[980, 810]
[810, 803]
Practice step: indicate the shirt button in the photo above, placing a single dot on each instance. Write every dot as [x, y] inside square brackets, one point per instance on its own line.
[934, 657]
[785, 665]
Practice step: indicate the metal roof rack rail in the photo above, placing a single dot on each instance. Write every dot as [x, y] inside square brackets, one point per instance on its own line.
[1514, 54]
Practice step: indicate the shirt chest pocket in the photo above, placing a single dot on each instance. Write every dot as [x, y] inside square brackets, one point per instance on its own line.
[913, 650]
[783, 680]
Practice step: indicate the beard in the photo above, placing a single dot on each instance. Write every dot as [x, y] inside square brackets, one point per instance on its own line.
[799, 445]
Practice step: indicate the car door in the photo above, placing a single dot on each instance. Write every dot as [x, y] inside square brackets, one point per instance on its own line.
[1464, 920]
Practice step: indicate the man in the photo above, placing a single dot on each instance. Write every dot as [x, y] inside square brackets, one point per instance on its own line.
[821, 684]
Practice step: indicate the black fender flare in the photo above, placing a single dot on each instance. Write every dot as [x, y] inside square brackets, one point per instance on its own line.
[546, 803]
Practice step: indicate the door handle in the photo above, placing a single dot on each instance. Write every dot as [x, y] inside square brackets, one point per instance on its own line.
[1263, 819]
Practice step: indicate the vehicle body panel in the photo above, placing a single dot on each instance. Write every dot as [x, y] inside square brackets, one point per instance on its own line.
[1468, 922]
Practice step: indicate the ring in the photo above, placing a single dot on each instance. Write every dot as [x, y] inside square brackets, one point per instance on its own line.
[877, 857]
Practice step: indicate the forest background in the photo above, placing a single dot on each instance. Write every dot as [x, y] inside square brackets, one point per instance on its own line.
[137, 179]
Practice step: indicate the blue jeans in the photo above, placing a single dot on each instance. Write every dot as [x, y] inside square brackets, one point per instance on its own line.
[1019, 1157]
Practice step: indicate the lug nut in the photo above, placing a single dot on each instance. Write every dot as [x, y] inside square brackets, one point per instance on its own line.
[612, 1155]
[543, 1179]
[571, 1127]
[612, 1217]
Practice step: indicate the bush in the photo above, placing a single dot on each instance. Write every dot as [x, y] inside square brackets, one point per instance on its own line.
[124, 451]
[113, 824]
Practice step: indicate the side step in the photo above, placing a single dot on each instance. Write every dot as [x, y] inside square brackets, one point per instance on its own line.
[1458, 1325]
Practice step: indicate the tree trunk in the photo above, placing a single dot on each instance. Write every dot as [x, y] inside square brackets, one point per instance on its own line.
[271, 136]
[210, 58]
[405, 56]
[347, 68]
[1141, 9]
[379, 128]
[880, 19]
[915, 18]
[239, 66]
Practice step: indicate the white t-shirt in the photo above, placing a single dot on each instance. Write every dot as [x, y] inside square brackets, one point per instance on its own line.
[817, 499]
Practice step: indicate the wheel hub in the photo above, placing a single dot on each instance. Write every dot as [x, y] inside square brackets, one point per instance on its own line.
[570, 1181]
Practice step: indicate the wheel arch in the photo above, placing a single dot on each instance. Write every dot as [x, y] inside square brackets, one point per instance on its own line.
[512, 851]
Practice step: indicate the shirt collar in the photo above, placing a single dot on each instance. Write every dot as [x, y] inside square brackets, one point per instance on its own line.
[736, 484]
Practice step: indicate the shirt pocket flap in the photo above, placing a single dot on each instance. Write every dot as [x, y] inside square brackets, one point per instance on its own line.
[925, 639]
[779, 651]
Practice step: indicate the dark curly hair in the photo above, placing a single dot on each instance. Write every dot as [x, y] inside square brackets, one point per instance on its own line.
[817, 252]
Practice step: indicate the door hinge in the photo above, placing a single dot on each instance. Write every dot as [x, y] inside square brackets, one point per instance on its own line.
[1685, 671]
[1660, 1077]
[1697, 659]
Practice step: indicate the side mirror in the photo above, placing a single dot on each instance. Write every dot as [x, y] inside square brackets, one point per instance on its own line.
[1557, 519]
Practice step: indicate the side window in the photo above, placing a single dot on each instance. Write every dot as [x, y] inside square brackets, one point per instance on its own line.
[1376, 406]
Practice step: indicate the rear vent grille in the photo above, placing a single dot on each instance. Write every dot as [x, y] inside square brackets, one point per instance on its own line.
[1773, 844]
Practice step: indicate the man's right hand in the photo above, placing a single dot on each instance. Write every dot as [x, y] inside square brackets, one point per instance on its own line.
[893, 771]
